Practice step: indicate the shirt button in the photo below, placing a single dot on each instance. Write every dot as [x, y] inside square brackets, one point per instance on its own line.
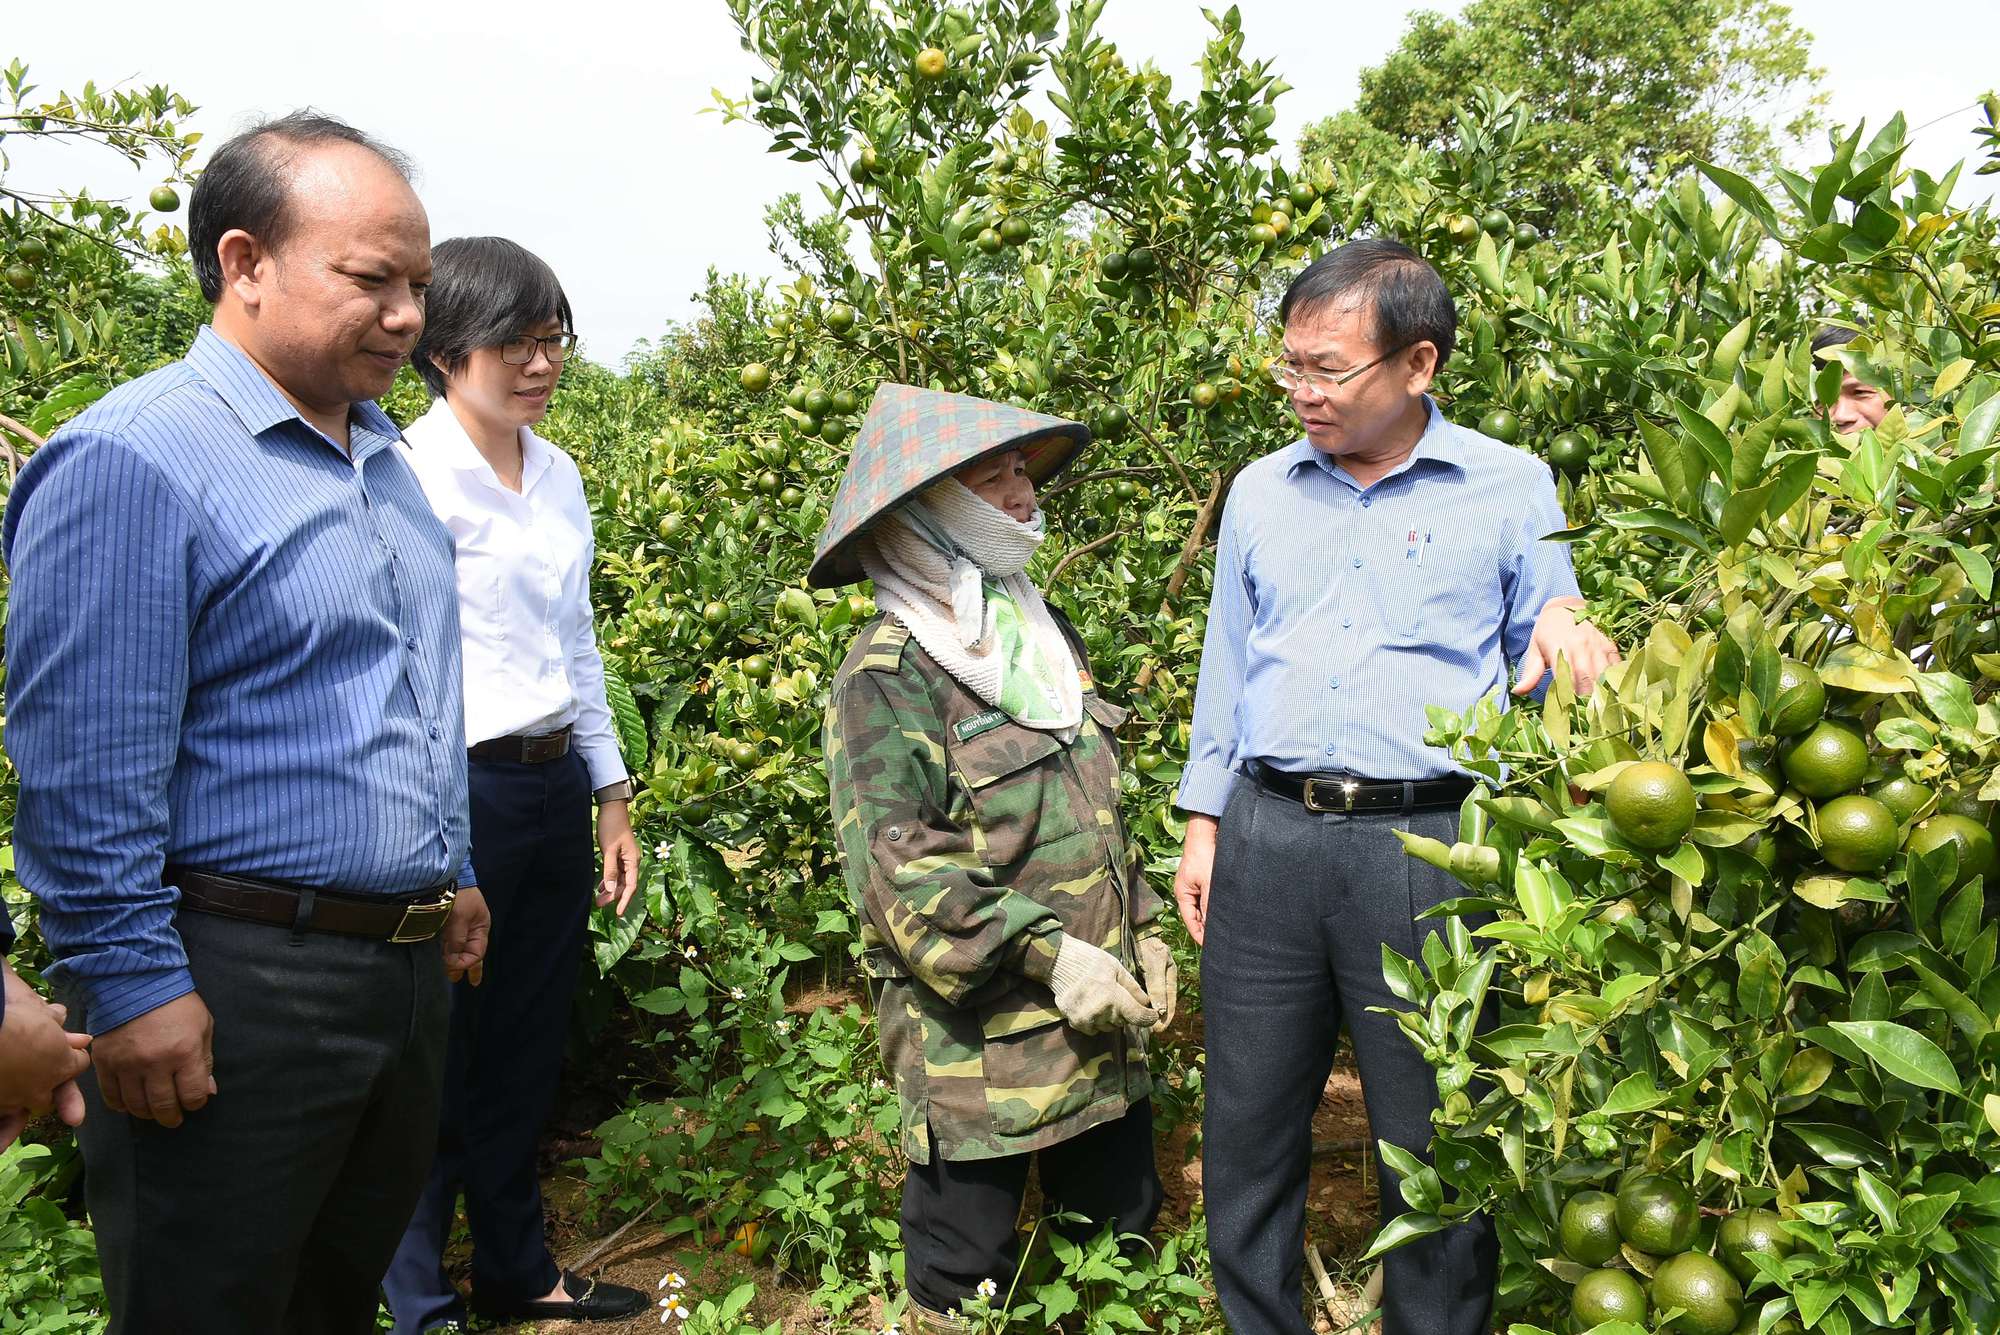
[1367, 501]
[1331, 748]
[1335, 683]
[1357, 563]
[1347, 623]
[895, 833]
[434, 732]
[412, 643]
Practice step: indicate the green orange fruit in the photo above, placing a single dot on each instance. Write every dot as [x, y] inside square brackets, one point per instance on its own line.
[1858, 834]
[1801, 699]
[1503, 424]
[1652, 804]
[1589, 1226]
[1570, 452]
[1710, 1299]
[1827, 761]
[1606, 1295]
[1656, 1214]
[1973, 841]
[1749, 1231]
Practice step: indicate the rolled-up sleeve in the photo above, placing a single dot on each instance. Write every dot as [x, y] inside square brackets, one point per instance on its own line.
[1538, 570]
[103, 554]
[1212, 746]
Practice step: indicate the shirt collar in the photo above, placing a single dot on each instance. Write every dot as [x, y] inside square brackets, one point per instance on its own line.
[448, 436]
[258, 403]
[1439, 443]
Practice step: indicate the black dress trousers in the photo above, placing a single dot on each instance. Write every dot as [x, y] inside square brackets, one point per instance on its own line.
[1300, 905]
[535, 854]
[272, 1210]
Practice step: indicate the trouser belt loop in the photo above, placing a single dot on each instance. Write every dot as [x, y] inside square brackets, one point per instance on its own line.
[1409, 796]
[302, 919]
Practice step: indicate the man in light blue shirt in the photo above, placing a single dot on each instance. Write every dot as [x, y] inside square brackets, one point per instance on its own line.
[1388, 561]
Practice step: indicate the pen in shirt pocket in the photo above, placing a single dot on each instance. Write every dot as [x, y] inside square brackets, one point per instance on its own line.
[1421, 545]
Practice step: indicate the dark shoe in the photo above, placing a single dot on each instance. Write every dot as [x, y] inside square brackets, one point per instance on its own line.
[595, 1300]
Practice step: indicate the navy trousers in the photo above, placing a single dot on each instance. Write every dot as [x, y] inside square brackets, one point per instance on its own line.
[535, 855]
[1299, 909]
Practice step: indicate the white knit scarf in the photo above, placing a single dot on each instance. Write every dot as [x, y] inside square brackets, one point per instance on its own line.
[931, 560]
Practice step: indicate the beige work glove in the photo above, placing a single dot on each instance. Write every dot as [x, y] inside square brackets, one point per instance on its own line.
[1162, 977]
[1093, 990]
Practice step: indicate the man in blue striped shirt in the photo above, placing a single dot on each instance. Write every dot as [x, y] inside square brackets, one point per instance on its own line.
[1388, 561]
[234, 701]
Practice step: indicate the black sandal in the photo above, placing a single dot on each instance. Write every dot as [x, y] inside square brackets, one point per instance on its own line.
[594, 1300]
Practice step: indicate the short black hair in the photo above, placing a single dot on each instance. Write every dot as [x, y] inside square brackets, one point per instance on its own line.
[247, 185]
[484, 291]
[1409, 301]
[1832, 336]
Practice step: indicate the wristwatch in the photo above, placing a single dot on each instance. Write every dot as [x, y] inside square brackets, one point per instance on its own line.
[620, 791]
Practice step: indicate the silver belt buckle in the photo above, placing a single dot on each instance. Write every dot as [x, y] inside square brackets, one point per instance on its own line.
[1348, 788]
[421, 922]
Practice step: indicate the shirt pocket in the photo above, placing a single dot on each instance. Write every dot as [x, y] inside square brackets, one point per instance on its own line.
[1014, 778]
[1438, 593]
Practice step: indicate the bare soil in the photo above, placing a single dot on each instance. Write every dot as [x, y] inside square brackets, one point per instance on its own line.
[1340, 1214]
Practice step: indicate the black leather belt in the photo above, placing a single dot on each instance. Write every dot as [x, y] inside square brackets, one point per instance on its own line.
[1350, 792]
[401, 920]
[537, 748]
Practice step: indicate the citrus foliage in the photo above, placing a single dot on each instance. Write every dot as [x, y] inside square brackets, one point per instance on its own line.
[1786, 1017]
[83, 303]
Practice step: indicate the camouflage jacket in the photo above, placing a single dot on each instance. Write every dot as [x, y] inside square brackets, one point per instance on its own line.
[969, 843]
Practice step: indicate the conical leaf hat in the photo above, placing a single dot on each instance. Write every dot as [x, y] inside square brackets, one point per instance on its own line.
[912, 437]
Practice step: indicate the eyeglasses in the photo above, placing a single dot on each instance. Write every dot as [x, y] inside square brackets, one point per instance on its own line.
[520, 350]
[1324, 383]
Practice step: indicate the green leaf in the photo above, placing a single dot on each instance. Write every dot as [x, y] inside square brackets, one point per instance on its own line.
[1747, 196]
[1948, 698]
[631, 724]
[1902, 1052]
[1684, 862]
[1977, 566]
[1840, 1146]
[1635, 1093]
[1403, 1228]
[612, 936]
[1741, 512]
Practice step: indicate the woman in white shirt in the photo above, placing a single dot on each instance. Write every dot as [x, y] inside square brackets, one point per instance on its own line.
[497, 331]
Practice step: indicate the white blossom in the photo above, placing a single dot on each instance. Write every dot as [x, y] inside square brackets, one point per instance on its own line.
[988, 1289]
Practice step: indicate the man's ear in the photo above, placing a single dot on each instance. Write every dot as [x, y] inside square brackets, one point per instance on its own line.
[1420, 365]
[245, 264]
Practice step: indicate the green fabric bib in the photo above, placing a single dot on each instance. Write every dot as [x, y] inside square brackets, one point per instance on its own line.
[1029, 686]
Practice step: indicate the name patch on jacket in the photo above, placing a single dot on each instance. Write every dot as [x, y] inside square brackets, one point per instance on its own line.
[967, 729]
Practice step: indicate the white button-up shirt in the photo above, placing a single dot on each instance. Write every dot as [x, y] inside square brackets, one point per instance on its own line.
[524, 558]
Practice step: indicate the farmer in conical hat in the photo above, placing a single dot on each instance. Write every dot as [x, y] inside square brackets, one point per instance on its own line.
[1012, 948]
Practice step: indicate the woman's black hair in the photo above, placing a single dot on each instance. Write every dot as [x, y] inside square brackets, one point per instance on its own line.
[484, 291]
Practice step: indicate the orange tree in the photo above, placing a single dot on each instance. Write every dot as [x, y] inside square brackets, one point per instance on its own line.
[1744, 954]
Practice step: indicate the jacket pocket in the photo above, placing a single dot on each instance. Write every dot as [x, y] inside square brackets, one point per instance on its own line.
[1014, 777]
[1038, 1070]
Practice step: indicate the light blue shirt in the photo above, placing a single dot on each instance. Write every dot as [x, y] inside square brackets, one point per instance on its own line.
[1341, 611]
[229, 646]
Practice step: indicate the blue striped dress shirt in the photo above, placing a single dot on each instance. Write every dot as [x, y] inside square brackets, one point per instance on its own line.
[1341, 611]
[229, 646]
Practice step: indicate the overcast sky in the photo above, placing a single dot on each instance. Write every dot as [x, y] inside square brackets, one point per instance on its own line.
[576, 127]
